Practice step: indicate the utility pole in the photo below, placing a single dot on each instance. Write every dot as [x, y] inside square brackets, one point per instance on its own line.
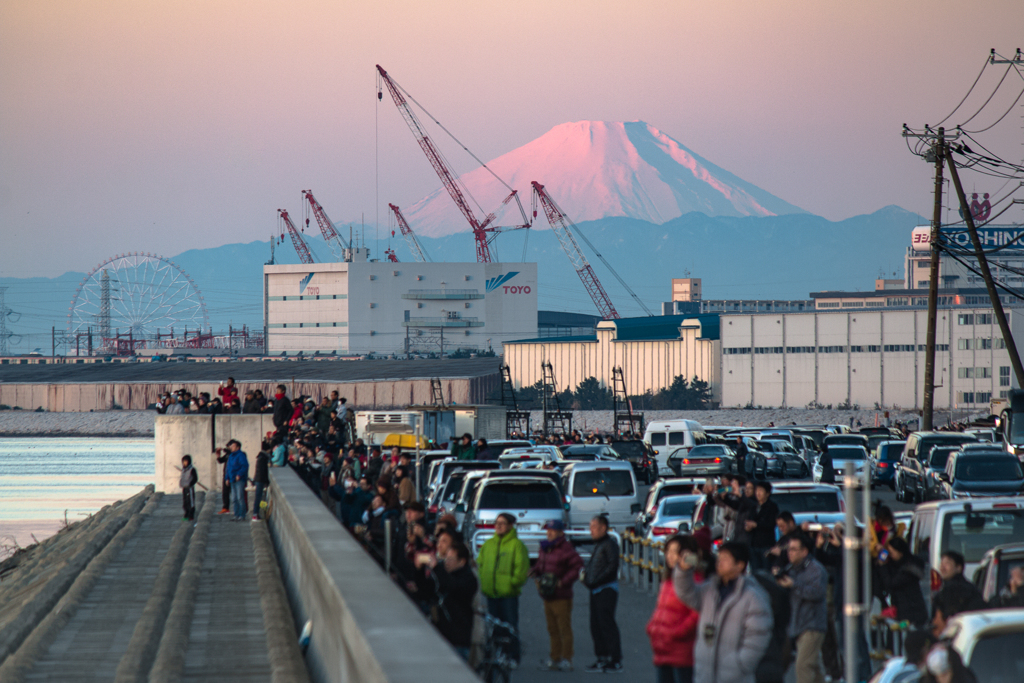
[990, 285]
[933, 289]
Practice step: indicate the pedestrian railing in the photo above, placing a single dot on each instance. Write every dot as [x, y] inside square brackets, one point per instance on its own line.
[643, 562]
[580, 539]
[886, 637]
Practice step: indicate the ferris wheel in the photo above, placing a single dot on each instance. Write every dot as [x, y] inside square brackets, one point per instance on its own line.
[138, 293]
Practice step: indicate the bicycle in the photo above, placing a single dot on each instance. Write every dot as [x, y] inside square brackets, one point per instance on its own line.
[496, 663]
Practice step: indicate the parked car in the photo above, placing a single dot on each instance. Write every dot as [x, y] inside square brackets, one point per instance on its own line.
[533, 498]
[980, 473]
[843, 457]
[595, 488]
[886, 456]
[993, 571]
[549, 454]
[933, 469]
[846, 440]
[642, 457]
[790, 463]
[666, 435]
[989, 642]
[970, 527]
[910, 479]
[756, 464]
[814, 503]
[669, 486]
[707, 459]
[673, 515]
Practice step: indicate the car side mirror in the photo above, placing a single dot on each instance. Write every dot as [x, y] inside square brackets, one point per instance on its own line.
[461, 507]
[634, 508]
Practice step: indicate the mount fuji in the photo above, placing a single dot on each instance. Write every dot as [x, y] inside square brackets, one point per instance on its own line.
[601, 169]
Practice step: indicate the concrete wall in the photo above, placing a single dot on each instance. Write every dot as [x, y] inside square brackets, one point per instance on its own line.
[864, 357]
[86, 396]
[364, 628]
[198, 436]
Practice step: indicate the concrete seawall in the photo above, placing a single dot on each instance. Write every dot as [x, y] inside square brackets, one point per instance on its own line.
[198, 436]
[364, 628]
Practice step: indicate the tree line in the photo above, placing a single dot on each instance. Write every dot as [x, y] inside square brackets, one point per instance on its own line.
[681, 394]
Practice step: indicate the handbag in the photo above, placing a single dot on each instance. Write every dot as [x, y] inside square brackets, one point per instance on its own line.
[548, 585]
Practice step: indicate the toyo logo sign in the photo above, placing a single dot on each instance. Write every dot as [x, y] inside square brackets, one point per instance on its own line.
[303, 285]
[496, 282]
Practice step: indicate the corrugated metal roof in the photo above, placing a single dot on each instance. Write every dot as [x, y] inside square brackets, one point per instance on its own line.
[663, 327]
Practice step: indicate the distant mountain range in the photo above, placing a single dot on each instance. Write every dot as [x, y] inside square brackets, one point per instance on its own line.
[601, 169]
[748, 257]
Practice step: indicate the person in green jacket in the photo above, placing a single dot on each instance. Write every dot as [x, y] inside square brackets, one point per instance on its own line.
[463, 449]
[503, 564]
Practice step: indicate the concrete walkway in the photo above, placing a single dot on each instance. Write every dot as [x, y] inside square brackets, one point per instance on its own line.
[228, 640]
[91, 645]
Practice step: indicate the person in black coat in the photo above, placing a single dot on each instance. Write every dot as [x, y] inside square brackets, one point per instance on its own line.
[456, 588]
[282, 410]
[828, 471]
[261, 477]
[761, 525]
[772, 667]
[901, 576]
[601, 577]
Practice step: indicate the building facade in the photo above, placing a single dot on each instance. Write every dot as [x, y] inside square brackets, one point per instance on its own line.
[651, 352]
[865, 357]
[393, 308]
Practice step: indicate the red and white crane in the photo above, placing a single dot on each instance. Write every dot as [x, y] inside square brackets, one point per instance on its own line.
[483, 231]
[560, 225]
[338, 245]
[300, 246]
[410, 236]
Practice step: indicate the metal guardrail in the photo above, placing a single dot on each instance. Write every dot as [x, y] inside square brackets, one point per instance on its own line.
[643, 562]
[887, 637]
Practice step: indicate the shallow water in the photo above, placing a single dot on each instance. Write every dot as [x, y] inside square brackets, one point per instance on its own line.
[42, 479]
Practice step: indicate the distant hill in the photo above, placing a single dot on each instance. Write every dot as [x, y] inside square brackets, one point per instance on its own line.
[737, 257]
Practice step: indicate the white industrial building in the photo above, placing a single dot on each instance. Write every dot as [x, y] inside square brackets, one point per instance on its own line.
[385, 307]
[864, 357]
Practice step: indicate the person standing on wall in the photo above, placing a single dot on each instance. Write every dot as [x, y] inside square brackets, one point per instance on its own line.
[261, 478]
[282, 410]
[237, 474]
[601, 576]
[228, 392]
[504, 564]
[225, 489]
[188, 481]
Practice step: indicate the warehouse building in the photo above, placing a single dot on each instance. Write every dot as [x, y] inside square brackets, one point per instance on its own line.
[865, 357]
[651, 351]
[392, 308]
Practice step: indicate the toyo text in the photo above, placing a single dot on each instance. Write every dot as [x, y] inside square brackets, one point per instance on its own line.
[516, 289]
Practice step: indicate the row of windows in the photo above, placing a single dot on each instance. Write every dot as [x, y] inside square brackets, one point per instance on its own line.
[295, 325]
[981, 343]
[308, 297]
[976, 396]
[974, 319]
[974, 373]
[871, 348]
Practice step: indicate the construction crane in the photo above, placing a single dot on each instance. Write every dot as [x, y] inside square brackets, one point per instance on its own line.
[300, 246]
[335, 241]
[561, 225]
[410, 237]
[390, 254]
[483, 231]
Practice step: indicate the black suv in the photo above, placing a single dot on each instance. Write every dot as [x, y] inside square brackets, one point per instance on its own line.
[641, 456]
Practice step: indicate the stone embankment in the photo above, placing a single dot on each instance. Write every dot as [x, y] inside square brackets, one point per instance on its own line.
[107, 423]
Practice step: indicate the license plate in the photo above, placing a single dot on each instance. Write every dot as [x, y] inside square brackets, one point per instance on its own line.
[702, 470]
[528, 527]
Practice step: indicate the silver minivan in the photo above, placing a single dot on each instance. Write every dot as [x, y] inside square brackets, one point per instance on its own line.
[596, 488]
[532, 500]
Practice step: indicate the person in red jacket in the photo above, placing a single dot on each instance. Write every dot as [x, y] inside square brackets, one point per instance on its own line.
[557, 568]
[228, 392]
[673, 626]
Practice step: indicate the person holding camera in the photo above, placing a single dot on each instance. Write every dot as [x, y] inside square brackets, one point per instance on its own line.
[735, 624]
[807, 582]
[556, 569]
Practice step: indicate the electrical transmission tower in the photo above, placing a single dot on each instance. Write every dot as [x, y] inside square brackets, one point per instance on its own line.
[5, 334]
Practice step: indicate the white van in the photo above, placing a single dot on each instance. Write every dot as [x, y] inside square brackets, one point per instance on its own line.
[669, 435]
[596, 488]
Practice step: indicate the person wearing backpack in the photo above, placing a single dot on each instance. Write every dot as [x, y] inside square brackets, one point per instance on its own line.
[504, 564]
[556, 569]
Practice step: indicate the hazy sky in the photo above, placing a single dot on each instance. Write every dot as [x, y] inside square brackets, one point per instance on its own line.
[164, 126]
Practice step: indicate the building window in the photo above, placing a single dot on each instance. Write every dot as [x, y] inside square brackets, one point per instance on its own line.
[983, 343]
[1000, 343]
[856, 349]
[965, 319]
[853, 304]
[874, 349]
[966, 396]
[1004, 375]
[831, 349]
[964, 344]
[828, 304]
[735, 351]
[898, 347]
[983, 319]
[942, 347]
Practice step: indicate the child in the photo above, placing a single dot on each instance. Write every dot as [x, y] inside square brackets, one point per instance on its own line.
[188, 480]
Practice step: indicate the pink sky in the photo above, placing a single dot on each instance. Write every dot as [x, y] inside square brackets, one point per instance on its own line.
[168, 126]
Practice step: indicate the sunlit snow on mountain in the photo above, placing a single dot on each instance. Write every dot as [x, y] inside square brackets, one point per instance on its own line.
[599, 169]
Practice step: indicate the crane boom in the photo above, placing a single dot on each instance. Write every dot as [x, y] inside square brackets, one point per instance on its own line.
[335, 241]
[483, 232]
[410, 237]
[300, 246]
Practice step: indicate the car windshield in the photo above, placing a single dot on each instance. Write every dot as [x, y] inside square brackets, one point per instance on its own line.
[780, 446]
[453, 487]
[996, 657]
[631, 450]
[925, 449]
[890, 451]
[939, 457]
[580, 457]
[988, 468]
[678, 508]
[602, 483]
[807, 501]
[708, 451]
[674, 490]
[848, 440]
[519, 496]
[595, 450]
[846, 453]
[973, 534]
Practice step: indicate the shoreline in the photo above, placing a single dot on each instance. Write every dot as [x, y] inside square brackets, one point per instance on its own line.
[71, 435]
